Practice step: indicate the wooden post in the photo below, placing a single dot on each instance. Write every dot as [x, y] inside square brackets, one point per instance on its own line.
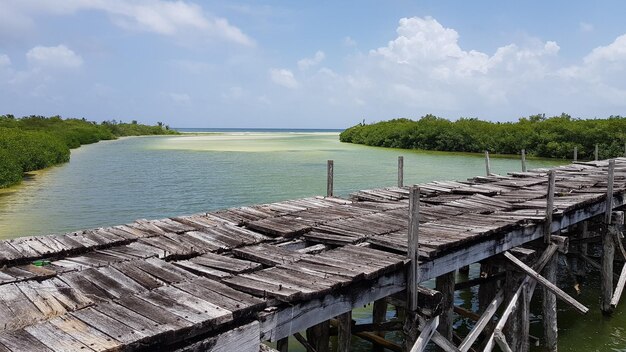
[329, 178]
[609, 192]
[282, 345]
[513, 326]
[344, 332]
[487, 163]
[379, 315]
[411, 320]
[523, 160]
[625, 150]
[616, 232]
[575, 153]
[547, 230]
[412, 279]
[583, 232]
[595, 153]
[445, 285]
[549, 306]
[464, 270]
[400, 171]
[487, 290]
[319, 336]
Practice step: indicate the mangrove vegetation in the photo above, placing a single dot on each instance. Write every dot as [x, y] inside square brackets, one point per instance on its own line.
[37, 142]
[553, 137]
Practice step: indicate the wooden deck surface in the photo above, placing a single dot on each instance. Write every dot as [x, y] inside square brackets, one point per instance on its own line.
[171, 282]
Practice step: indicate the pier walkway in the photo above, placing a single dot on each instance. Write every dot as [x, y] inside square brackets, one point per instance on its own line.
[231, 279]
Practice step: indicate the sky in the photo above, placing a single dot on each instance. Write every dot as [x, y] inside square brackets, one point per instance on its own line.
[310, 64]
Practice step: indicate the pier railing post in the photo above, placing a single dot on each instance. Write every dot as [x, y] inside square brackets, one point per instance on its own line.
[487, 163]
[547, 230]
[329, 178]
[575, 154]
[595, 153]
[523, 160]
[400, 171]
[608, 246]
[411, 319]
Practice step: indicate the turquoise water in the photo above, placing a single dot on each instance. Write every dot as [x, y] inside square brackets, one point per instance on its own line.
[114, 182]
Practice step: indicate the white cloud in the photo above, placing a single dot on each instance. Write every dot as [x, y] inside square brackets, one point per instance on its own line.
[283, 77]
[349, 42]
[614, 52]
[5, 61]
[169, 18]
[53, 56]
[312, 61]
[585, 27]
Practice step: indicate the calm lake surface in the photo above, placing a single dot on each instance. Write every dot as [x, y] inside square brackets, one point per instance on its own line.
[115, 182]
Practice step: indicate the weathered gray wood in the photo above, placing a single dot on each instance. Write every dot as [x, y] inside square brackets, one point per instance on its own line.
[443, 343]
[575, 153]
[549, 207]
[523, 160]
[501, 341]
[400, 171]
[379, 315]
[304, 342]
[318, 336]
[547, 284]
[606, 279]
[344, 333]
[487, 289]
[609, 192]
[487, 163]
[242, 339]
[480, 325]
[619, 288]
[427, 332]
[550, 327]
[583, 233]
[329, 178]
[445, 285]
[413, 238]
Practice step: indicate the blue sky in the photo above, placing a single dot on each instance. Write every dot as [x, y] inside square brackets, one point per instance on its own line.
[318, 64]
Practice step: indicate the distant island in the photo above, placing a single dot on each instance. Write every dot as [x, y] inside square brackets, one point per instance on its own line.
[553, 137]
[37, 142]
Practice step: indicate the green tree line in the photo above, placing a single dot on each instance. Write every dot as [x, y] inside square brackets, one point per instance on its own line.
[36, 142]
[553, 137]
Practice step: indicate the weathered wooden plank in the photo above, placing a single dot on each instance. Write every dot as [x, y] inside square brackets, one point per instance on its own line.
[55, 339]
[112, 327]
[244, 338]
[85, 334]
[227, 264]
[20, 340]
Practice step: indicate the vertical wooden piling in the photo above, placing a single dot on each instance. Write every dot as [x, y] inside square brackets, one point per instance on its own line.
[411, 320]
[344, 332]
[547, 230]
[608, 246]
[412, 279]
[609, 192]
[282, 345]
[329, 178]
[523, 160]
[575, 153]
[583, 232]
[445, 285]
[625, 150]
[487, 163]
[319, 336]
[512, 327]
[487, 291]
[400, 171]
[549, 306]
[379, 315]
[595, 153]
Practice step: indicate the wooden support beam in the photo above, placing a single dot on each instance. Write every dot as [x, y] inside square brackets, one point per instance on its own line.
[443, 343]
[575, 153]
[583, 234]
[306, 344]
[489, 285]
[549, 207]
[378, 341]
[413, 276]
[487, 163]
[550, 326]
[484, 320]
[547, 284]
[400, 171]
[445, 285]
[379, 315]
[329, 178]
[427, 332]
[344, 332]
[523, 160]
[501, 341]
[482, 281]
[609, 193]
[606, 270]
[615, 229]
[318, 336]
[282, 345]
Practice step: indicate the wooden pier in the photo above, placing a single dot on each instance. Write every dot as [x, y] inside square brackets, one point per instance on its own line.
[233, 279]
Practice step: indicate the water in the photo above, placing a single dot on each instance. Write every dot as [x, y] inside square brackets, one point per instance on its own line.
[115, 182]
